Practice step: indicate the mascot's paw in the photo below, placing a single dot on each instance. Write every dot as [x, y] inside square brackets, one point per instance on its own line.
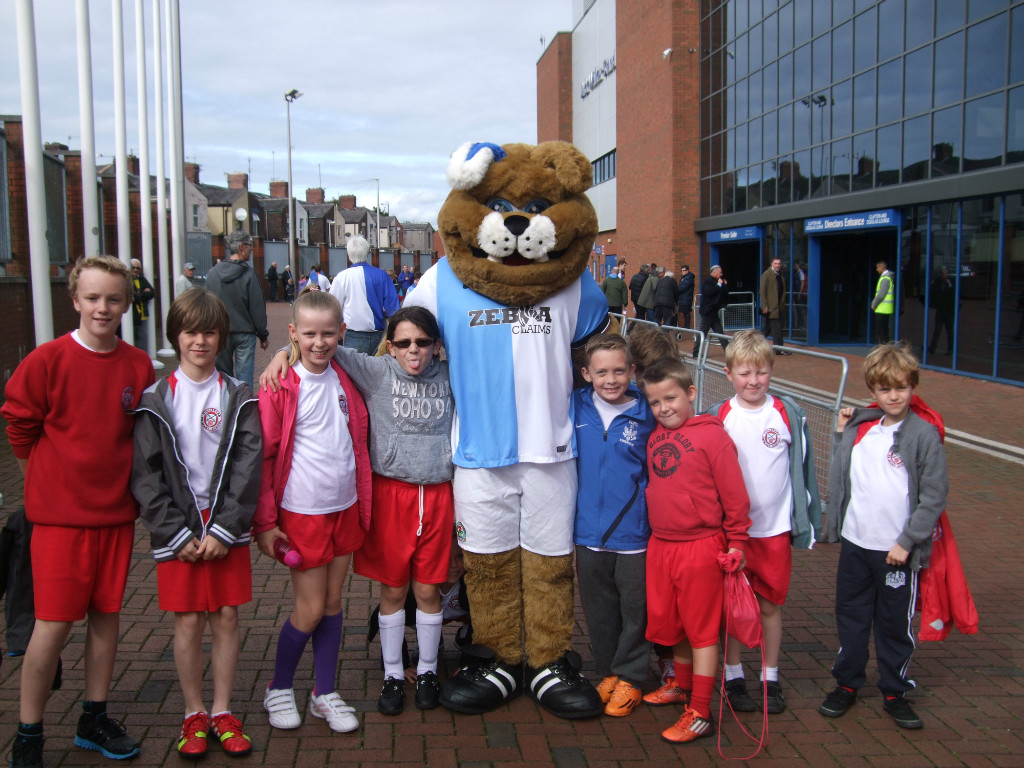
[483, 684]
[562, 690]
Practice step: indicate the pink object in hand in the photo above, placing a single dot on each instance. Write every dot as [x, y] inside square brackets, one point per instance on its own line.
[285, 554]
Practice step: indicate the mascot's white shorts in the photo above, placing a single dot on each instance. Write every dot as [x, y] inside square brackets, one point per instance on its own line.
[522, 505]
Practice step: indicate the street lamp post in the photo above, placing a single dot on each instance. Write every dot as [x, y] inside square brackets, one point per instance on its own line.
[289, 97]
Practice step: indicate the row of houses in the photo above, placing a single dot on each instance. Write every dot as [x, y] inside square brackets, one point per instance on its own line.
[211, 213]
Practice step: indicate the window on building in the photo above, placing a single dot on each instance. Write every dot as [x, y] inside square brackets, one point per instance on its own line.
[603, 168]
[195, 216]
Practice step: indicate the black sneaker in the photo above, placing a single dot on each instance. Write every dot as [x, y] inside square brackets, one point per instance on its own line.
[106, 736]
[392, 697]
[27, 753]
[739, 699]
[838, 702]
[427, 691]
[902, 713]
[482, 684]
[562, 690]
[776, 701]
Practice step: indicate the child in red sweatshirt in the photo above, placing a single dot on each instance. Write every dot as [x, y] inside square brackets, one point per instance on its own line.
[698, 507]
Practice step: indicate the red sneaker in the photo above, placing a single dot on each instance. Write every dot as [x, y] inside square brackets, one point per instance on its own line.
[192, 743]
[689, 727]
[228, 730]
[668, 694]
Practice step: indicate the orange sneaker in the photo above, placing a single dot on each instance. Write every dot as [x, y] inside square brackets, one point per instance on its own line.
[606, 686]
[625, 698]
[192, 742]
[670, 693]
[227, 729]
[689, 727]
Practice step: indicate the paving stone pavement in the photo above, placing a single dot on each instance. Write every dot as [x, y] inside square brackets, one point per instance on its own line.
[970, 688]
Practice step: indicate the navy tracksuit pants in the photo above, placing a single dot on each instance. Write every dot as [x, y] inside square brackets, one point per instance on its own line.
[870, 592]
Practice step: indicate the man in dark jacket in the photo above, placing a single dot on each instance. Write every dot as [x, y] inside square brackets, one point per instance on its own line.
[238, 286]
[714, 295]
[665, 297]
[615, 291]
[686, 286]
[636, 284]
[144, 294]
[272, 280]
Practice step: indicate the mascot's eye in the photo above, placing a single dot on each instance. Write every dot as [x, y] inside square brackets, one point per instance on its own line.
[500, 205]
[536, 206]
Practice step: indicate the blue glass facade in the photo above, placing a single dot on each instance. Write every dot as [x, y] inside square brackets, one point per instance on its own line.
[813, 109]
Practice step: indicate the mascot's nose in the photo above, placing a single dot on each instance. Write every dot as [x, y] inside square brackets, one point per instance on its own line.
[517, 224]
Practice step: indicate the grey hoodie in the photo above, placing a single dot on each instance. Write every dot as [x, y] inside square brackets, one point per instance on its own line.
[238, 287]
[410, 416]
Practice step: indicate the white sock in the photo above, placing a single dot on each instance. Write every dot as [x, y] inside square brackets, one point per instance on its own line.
[771, 674]
[428, 639]
[734, 671]
[392, 633]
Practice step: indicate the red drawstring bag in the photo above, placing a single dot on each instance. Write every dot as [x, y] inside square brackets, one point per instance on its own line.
[741, 616]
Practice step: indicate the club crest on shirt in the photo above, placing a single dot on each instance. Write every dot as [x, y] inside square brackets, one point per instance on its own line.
[211, 419]
[894, 459]
[629, 434]
[937, 532]
[343, 403]
[460, 531]
[127, 395]
[895, 579]
[665, 459]
[771, 437]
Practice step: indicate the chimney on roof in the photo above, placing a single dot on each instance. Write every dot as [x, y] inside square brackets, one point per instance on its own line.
[347, 202]
[315, 195]
[238, 181]
[279, 189]
[55, 147]
[192, 172]
[133, 165]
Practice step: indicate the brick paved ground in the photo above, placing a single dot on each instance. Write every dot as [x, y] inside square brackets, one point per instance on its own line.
[971, 689]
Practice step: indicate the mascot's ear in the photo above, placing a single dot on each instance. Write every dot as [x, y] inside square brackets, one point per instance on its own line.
[571, 167]
[469, 163]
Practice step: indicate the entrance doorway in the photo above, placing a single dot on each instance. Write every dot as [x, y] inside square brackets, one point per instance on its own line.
[741, 265]
[847, 280]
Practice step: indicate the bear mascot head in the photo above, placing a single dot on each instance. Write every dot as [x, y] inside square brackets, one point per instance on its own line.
[513, 298]
[517, 226]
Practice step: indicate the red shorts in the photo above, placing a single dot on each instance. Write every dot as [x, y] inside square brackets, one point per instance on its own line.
[205, 585]
[393, 552]
[77, 570]
[685, 589]
[321, 538]
[769, 562]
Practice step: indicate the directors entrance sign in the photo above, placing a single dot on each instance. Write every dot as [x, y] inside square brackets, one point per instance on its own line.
[852, 221]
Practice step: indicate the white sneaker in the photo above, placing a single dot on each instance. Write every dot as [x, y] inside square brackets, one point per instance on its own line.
[280, 705]
[332, 708]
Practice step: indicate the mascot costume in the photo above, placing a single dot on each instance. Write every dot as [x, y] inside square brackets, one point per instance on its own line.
[513, 298]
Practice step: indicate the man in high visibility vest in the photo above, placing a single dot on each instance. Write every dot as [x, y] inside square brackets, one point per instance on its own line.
[884, 303]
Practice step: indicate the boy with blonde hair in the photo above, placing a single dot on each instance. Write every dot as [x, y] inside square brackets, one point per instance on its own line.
[775, 454]
[887, 489]
[68, 412]
[611, 531]
[698, 509]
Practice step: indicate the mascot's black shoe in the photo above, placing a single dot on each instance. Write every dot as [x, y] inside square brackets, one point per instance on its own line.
[482, 684]
[562, 690]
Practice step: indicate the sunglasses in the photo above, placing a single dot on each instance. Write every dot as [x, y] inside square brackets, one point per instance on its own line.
[406, 343]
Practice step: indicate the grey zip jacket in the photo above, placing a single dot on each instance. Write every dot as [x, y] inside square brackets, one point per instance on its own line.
[918, 445]
[410, 416]
[159, 482]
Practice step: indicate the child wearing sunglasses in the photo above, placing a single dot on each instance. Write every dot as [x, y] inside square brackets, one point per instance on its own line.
[408, 395]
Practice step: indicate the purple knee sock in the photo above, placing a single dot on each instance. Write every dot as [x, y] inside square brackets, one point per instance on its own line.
[290, 645]
[326, 646]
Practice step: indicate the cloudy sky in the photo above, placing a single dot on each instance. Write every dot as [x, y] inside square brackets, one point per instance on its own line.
[390, 87]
